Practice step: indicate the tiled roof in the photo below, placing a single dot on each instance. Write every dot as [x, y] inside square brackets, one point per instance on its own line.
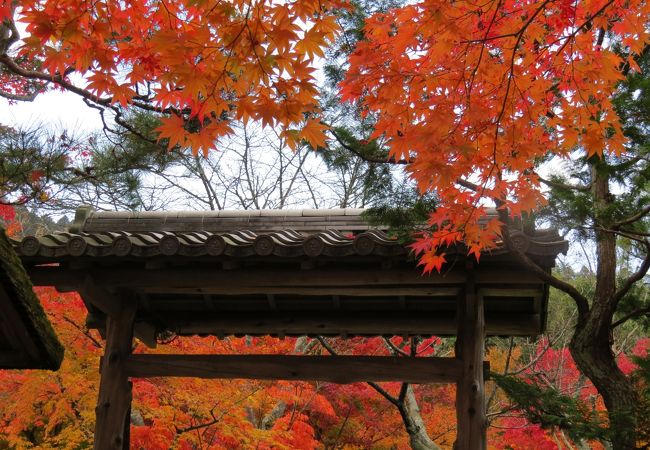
[310, 233]
[263, 221]
[240, 243]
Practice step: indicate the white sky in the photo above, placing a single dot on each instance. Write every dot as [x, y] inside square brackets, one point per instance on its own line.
[55, 109]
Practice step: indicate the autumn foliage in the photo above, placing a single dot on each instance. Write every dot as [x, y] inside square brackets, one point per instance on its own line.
[482, 91]
[199, 61]
[56, 409]
[471, 96]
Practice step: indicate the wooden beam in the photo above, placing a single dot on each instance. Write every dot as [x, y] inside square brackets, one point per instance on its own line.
[114, 387]
[314, 323]
[207, 276]
[99, 297]
[470, 390]
[516, 292]
[273, 276]
[334, 369]
[397, 323]
[351, 291]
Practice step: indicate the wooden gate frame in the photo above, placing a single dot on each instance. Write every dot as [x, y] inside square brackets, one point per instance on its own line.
[117, 261]
[466, 370]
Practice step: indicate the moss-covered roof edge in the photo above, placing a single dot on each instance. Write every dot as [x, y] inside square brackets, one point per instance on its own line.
[28, 306]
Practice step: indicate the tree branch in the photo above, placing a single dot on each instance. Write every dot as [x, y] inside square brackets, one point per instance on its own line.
[581, 302]
[83, 330]
[372, 384]
[396, 350]
[18, 97]
[370, 159]
[11, 65]
[639, 215]
[636, 313]
[215, 419]
[9, 33]
[636, 276]
[584, 26]
[565, 186]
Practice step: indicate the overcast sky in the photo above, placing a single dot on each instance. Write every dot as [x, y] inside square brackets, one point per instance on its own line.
[56, 109]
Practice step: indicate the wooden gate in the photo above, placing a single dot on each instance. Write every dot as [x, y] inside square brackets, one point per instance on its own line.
[285, 273]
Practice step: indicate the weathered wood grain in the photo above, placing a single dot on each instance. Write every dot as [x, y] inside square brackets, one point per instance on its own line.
[114, 388]
[334, 369]
[470, 390]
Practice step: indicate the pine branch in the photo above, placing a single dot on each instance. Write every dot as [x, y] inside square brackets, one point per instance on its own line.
[565, 186]
[632, 279]
[638, 216]
[581, 302]
[366, 158]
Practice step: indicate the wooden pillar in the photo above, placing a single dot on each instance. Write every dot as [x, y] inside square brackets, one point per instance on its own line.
[114, 403]
[470, 390]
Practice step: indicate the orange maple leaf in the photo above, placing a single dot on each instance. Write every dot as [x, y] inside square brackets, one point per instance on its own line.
[314, 133]
[432, 261]
[172, 128]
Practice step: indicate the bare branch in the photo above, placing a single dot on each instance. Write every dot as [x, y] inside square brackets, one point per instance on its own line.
[395, 349]
[372, 384]
[83, 330]
[215, 419]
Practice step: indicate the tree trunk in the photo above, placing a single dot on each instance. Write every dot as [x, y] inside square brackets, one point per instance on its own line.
[269, 420]
[417, 431]
[591, 344]
[593, 356]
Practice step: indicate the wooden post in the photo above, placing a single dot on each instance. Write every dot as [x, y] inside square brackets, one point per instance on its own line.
[114, 388]
[470, 390]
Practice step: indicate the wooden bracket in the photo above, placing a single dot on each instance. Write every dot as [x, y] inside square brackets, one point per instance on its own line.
[110, 305]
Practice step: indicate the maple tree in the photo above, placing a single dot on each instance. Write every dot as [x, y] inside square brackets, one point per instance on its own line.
[199, 63]
[471, 97]
[518, 81]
